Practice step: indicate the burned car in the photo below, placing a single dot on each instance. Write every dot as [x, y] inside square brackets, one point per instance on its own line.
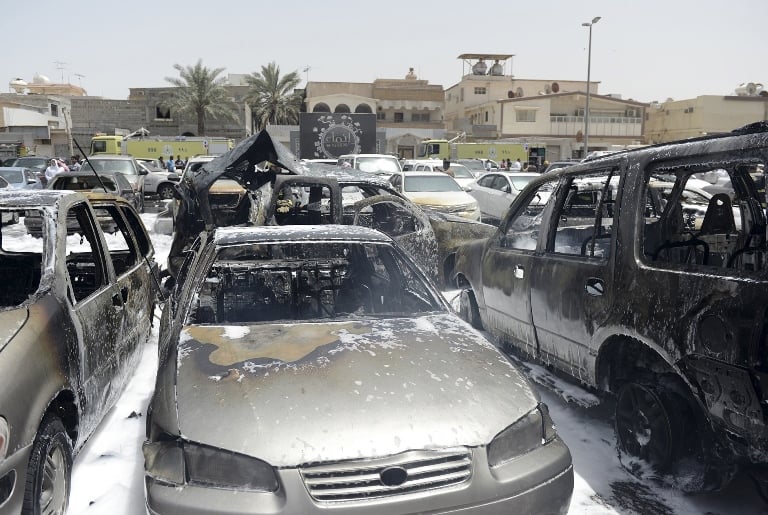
[75, 310]
[288, 192]
[620, 282]
[315, 369]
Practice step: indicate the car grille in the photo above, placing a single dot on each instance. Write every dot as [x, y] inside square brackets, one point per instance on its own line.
[357, 480]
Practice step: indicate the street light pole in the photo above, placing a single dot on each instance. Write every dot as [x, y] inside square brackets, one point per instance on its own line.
[589, 68]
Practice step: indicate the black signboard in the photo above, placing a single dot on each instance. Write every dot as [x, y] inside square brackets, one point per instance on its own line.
[330, 135]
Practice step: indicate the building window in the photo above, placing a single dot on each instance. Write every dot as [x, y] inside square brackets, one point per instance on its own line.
[54, 110]
[461, 94]
[525, 115]
[381, 115]
[321, 108]
[162, 113]
[398, 117]
[480, 91]
[486, 116]
[420, 117]
[342, 108]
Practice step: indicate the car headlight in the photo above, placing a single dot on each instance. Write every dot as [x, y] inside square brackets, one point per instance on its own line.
[5, 435]
[177, 462]
[530, 432]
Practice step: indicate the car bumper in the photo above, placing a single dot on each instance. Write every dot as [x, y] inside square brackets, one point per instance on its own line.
[13, 475]
[539, 482]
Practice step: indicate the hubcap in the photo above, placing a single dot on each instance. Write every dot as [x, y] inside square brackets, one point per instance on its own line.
[53, 491]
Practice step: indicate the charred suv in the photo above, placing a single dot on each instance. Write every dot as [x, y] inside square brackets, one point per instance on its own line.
[75, 309]
[607, 272]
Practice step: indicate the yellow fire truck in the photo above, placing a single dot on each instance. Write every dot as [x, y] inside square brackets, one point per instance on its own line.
[152, 148]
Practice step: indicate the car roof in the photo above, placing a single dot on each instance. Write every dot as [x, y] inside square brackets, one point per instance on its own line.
[29, 198]
[300, 233]
[110, 157]
[14, 168]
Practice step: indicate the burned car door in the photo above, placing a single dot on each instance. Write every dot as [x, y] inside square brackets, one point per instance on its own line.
[568, 306]
[96, 305]
[508, 265]
[403, 222]
[128, 247]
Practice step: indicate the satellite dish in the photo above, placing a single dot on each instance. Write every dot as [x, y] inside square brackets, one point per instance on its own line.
[510, 94]
[519, 92]
[555, 87]
[547, 89]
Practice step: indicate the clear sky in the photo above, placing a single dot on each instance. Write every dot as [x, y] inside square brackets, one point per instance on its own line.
[644, 50]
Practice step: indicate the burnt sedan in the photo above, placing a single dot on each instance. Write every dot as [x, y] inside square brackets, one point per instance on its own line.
[314, 369]
[75, 309]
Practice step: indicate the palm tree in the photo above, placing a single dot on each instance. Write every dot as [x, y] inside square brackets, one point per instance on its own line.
[202, 93]
[272, 98]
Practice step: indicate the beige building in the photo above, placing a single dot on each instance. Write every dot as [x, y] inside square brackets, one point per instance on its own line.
[36, 118]
[490, 103]
[408, 110]
[706, 114]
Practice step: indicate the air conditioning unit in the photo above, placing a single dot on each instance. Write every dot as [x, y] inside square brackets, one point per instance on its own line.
[580, 111]
[632, 113]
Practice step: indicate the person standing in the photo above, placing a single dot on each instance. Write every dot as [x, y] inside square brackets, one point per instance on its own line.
[54, 169]
[179, 163]
[516, 166]
[170, 165]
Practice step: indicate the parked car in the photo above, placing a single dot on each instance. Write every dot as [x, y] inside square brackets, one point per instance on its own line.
[110, 182]
[346, 383]
[430, 236]
[645, 298]
[438, 191]
[37, 163]
[462, 174]
[495, 191]
[159, 182]
[385, 164]
[556, 165]
[75, 310]
[477, 166]
[126, 165]
[20, 178]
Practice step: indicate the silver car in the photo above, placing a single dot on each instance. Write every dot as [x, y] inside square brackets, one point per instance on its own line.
[126, 165]
[314, 369]
[495, 191]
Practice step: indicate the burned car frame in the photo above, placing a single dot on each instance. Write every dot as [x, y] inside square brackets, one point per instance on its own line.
[315, 369]
[660, 303]
[432, 237]
[75, 310]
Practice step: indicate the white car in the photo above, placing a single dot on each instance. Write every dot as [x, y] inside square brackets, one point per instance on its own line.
[458, 171]
[385, 164]
[158, 181]
[495, 191]
[438, 191]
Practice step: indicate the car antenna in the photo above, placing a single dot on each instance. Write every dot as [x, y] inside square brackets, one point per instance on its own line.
[151, 268]
[90, 165]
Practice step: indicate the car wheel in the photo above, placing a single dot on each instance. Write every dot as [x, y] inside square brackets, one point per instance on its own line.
[468, 309]
[165, 191]
[50, 469]
[647, 426]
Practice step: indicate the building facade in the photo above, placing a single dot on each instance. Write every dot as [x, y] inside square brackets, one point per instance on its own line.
[407, 110]
[706, 114]
[489, 103]
[36, 118]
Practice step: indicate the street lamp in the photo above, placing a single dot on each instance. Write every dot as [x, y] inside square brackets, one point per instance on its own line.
[589, 66]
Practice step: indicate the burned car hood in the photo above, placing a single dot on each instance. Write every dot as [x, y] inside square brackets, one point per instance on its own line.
[292, 394]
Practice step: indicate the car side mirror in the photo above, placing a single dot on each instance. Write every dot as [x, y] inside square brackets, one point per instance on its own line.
[467, 188]
[31, 181]
[143, 171]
